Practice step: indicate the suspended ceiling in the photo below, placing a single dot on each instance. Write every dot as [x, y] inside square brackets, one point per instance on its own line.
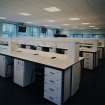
[89, 11]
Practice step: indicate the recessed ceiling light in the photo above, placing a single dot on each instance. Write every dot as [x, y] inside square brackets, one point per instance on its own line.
[92, 26]
[85, 23]
[75, 27]
[96, 28]
[51, 21]
[66, 24]
[29, 22]
[74, 18]
[3, 18]
[25, 14]
[82, 28]
[52, 9]
[46, 25]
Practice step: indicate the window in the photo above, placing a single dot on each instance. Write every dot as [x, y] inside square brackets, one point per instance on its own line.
[87, 35]
[36, 31]
[29, 31]
[50, 33]
[8, 29]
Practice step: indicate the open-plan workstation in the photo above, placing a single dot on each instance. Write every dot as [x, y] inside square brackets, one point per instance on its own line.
[59, 67]
[52, 52]
[60, 72]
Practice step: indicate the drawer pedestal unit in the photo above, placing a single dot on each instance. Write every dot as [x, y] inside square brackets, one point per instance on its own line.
[28, 47]
[6, 66]
[39, 48]
[91, 60]
[59, 85]
[24, 73]
[101, 51]
[52, 49]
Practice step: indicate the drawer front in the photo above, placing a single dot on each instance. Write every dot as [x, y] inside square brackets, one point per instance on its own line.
[55, 77]
[53, 83]
[18, 64]
[53, 91]
[15, 61]
[21, 62]
[56, 100]
[51, 71]
[52, 74]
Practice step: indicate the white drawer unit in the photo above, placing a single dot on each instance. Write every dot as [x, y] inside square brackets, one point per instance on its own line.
[28, 47]
[23, 72]
[60, 85]
[89, 60]
[52, 85]
[100, 52]
[52, 49]
[39, 48]
[6, 64]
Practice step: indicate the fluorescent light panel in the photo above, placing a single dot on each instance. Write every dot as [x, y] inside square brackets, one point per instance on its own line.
[92, 26]
[52, 9]
[74, 18]
[51, 21]
[96, 28]
[29, 22]
[3, 18]
[46, 25]
[66, 24]
[25, 14]
[85, 23]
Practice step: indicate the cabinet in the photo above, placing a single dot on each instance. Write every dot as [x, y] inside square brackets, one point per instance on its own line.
[6, 64]
[88, 62]
[52, 49]
[101, 52]
[52, 85]
[28, 47]
[39, 48]
[91, 60]
[24, 73]
[60, 85]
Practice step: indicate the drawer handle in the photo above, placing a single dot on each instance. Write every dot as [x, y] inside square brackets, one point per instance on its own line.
[52, 73]
[51, 81]
[51, 98]
[51, 89]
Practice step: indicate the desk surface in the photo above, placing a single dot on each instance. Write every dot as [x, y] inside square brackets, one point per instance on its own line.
[101, 46]
[88, 50]
[61, 61]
